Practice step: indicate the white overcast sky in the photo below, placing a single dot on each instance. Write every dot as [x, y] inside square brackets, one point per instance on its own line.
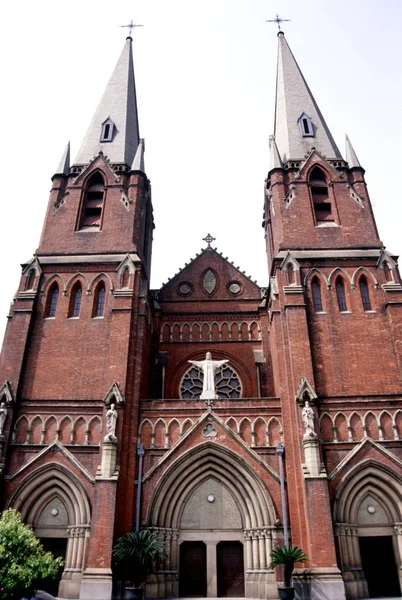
[205, 76]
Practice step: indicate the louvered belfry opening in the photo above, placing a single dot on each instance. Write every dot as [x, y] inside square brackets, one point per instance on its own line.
[93, 202]
[320, 196]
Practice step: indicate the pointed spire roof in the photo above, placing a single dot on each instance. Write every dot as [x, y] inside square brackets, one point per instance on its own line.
[138, 162]
[351, 157]
[275, 160]
[64, 164]
[294, 101]
[118, 109]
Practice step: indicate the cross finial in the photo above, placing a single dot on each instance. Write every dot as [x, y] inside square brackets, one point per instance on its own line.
[278, 20]
[131, 26]
[208, 238]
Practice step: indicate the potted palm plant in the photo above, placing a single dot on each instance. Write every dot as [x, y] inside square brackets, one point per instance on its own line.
[287, 556]
[136, 551]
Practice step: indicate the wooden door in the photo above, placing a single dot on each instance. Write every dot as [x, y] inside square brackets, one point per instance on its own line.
[193, 570]
[230, 566]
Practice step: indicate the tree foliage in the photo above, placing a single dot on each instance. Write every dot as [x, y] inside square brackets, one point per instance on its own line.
[23, 560]
[287, 556]
[137, 551]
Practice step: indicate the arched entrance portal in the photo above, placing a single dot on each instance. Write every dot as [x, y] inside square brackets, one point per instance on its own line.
[55, 504]
[368, 517]
[217, 518]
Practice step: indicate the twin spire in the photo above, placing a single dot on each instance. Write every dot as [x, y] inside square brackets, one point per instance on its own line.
[299, 124]
[114, 127]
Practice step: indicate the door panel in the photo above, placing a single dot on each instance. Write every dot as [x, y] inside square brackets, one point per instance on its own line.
[230, 567]
[193, 570]
[379, 566]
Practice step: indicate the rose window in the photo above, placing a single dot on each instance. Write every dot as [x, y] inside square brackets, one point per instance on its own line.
[227, 383]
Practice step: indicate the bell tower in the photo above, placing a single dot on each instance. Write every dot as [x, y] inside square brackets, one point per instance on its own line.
[334, 301]
[77, 342]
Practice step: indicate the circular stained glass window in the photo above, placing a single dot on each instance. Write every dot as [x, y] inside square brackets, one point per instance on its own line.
[227, 383]
[235, 288]
[185, 289]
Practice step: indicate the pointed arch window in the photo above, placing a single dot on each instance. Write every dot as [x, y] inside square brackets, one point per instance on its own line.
[75, 300]
[107, 131]
[291, 274]
[306, 126]
[51, 303]
[320, 196]
[340, 293]
[387, 271]
[93, 203]
[364, 292]
[316, 290]
[99, 300]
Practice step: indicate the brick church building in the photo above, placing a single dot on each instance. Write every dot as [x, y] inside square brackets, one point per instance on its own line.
[105, 423]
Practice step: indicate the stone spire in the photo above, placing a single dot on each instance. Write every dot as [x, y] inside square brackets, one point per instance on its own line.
[299, 124]
[350, 155]
[114, 127]
[64, 164]
[274, 160]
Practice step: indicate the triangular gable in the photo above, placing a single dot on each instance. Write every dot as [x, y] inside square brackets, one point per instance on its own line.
[98, 161]
[207, 418]
[367, 441]
[225, 272]
[7, 393]
[305, 389]
[55, 446]
[114, 393]
[312, 157]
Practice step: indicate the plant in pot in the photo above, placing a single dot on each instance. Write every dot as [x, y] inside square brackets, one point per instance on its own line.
[135, 552]
[287, 556]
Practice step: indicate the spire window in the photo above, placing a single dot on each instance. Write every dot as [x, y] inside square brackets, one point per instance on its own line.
[93, 203]
[340, 293]
[107, 131]
[316, 290]
[306, 126]
[320, 196]
[364, 293]
[51, 303]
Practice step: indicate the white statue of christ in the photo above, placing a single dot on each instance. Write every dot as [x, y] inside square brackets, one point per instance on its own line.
[208, 367]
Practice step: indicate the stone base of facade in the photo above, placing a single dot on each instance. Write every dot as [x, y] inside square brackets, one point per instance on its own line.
[96, 583]
[319, 584]
[70, 584]
[260, 583]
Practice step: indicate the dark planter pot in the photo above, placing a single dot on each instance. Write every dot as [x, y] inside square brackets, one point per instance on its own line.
[133, 593]
[287, 593]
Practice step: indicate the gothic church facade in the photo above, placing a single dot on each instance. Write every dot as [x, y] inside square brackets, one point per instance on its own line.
[309, 374]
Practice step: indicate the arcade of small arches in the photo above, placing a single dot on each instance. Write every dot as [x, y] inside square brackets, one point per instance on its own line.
[164, 434]
[65, 429]
[210, 332]
[353, 427]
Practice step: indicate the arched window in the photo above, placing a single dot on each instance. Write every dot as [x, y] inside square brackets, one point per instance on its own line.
[340, 292]
[51, 303]
[125, 280]
[364, 293]
[320, 196]
[93, 203]
[99, 300]
[315, 288]
[30, 280]
[75, 300]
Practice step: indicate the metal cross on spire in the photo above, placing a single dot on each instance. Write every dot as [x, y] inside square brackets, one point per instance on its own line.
[278, 20]
[208, 238]
[131, 26]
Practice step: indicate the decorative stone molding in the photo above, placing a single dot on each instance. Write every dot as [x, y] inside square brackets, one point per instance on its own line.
[114, 395]
[6, 394]
[306, 392]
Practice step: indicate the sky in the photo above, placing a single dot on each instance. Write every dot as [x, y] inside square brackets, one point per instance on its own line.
[205, 77]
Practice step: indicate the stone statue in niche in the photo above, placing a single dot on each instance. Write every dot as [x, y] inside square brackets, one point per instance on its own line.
[308, 420]
[3, 416]
[111, 418]
[208, 367]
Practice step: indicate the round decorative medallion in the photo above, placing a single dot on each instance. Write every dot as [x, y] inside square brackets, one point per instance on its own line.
[54, 512]
[235, 288]
[227, 383]
[211, 498]
[371, 509]
[185, 289]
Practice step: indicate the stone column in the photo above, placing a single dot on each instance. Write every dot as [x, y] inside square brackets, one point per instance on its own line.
[212, 581]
